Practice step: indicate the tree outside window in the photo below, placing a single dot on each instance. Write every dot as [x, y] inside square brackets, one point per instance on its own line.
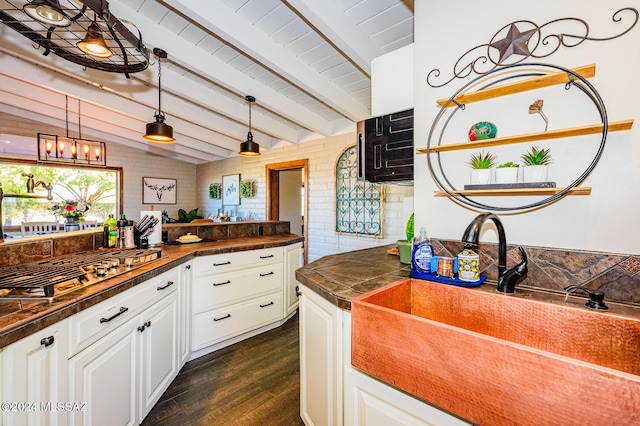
[96, 188]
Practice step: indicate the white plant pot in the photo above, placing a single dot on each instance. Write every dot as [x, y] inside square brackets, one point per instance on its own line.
[507, 174]
[535, 174]
[480, 176]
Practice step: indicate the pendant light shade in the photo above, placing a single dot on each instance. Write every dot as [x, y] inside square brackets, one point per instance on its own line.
[50, 14]
[93, 43]
[159, 131]
[249, 148]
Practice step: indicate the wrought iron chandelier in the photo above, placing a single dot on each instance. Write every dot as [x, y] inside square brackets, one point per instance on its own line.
[81, 31]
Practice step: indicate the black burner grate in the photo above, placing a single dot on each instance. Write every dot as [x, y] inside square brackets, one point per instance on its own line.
[46, 274]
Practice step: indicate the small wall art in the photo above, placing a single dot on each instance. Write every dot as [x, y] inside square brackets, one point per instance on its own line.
[159, 190]
[215, 191]
[231, 190]
[246, 189]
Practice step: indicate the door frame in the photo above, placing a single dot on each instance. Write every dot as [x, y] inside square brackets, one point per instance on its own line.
[273, 192]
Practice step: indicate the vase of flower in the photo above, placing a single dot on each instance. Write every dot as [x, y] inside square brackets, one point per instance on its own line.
[71, 224]
[72, 212]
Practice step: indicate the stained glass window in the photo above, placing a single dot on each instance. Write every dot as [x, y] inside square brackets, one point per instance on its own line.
[358, 203]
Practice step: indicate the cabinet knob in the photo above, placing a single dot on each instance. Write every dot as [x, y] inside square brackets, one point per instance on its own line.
[47, 341]
[187, 267]
[141, 328]
[298, 292]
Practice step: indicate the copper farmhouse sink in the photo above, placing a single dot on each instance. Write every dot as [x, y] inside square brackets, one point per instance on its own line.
[497, 359]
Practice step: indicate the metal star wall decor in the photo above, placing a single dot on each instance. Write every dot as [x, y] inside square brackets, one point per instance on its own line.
[514, 43]
[526, 39]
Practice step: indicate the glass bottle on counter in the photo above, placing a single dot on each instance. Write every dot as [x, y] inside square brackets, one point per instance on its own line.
[122, 227]
[129, 240]
[110, 238]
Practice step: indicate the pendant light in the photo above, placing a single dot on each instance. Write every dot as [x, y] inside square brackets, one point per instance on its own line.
[43, 11]
[93, 43]
[159, 131]
[249, 148]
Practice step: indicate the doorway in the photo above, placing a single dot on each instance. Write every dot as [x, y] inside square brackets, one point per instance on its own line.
[287, 196]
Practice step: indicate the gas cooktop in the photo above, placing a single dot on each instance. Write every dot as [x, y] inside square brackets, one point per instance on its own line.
[48, 279]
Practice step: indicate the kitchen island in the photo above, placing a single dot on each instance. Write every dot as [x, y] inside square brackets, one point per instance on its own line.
[333, 392]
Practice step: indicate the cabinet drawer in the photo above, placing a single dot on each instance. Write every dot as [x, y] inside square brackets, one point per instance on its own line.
[91, 324]
[215, 290]
[221, 324]
[237, 260]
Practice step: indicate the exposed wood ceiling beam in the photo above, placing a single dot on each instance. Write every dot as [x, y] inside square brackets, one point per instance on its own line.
[195, 59]
[336, 27]
[230, 27]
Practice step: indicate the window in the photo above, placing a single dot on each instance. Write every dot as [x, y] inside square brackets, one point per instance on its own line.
[358, 203]
[97, 188]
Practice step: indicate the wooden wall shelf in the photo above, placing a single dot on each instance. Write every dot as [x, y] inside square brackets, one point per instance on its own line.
[590, 129]
[579, 190]
[546, 80]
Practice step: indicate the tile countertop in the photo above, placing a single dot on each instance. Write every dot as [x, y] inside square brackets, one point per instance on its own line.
[339, 278]
[21, 319]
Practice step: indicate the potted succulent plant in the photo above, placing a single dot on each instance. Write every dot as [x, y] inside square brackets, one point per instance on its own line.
[481, 164]
[536, 163]
[404, 246]
[507, 172]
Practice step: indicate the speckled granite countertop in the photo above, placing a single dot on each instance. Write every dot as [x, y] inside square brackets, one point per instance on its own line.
[21, 319]
[340, 277]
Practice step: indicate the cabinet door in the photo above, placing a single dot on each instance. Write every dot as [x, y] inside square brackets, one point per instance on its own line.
[104, 375]
[292, 261]
[388, 147]
[184, 318]
[320, 361]
[35, 373]
[159, 351]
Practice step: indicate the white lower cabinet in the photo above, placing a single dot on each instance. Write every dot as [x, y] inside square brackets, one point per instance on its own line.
[34, 378]
[122, 374]
[184, 296]
[104, 376]
[332, 392]
[234, 294]
[292, 261]
[320, 361]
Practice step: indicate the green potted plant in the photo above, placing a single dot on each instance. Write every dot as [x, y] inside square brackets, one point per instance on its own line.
[536, 163]
[404, 246]
[507, 172]
[481, 164]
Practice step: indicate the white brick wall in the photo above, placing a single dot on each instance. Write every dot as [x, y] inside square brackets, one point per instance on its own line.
[322, 155]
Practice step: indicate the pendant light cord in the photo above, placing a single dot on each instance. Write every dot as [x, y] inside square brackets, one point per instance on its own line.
[159, 86]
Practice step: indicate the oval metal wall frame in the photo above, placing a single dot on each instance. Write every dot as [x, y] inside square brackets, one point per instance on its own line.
[574, 80]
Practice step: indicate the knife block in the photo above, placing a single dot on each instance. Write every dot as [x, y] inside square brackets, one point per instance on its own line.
[155, 238]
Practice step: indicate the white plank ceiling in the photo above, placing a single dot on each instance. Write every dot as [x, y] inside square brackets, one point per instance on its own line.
[307, 63]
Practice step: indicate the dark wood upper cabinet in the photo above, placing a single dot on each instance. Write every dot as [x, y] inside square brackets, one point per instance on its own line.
[385, 148]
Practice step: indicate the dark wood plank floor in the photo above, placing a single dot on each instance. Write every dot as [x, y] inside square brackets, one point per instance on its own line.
[254, 382]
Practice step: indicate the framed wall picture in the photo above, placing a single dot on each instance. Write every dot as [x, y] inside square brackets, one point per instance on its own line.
[159, 190]
[231, 190]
